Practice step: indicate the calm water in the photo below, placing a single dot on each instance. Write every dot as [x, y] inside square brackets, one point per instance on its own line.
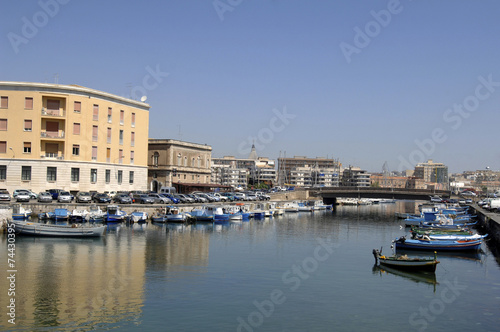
[298, 272]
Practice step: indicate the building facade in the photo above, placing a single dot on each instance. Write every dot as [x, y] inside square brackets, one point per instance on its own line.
[355, 177]
[173, 162]
[432, 172]
[287, 166]
[71, 137]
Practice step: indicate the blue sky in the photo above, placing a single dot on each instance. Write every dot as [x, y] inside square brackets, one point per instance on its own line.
[366, 82]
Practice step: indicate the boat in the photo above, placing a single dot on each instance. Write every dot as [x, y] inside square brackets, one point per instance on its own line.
[60, 215]
[20, 213]
[39, 229]
[96, 214]
[114, 214]
[170, 214]
[448, 237]
[201, 215]
[78, 215]
[404, 262]
[138, 216]
[458, 245]
[303, 207]
[291, 207]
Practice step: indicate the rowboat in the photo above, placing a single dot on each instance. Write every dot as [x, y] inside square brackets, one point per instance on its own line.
[37, 229]
[114, 214]
[404, 262]
[424, 231]
[459, 245]
[448, 237]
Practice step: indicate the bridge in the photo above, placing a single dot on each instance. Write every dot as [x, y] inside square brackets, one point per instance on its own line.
[330, 194]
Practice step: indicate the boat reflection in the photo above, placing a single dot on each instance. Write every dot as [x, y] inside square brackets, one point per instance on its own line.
[425, 277]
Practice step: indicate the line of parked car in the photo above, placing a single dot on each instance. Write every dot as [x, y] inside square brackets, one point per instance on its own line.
[137, 197]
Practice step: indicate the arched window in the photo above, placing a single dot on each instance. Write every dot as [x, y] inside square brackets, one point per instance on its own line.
[185, 161]
[179, 160]
[192, 162]
[199, 161]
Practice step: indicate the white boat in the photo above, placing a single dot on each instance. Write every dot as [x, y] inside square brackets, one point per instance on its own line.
[95, 214]
[291, 207]
[37, 229]
[138, 216]
[78, 215]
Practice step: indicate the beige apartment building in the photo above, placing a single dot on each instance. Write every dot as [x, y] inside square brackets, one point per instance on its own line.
[71, 137]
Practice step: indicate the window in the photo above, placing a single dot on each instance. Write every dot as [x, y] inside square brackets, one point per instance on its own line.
[132, 139]
[28, 125]
[95, 112]
[93, 175]
[179, 160]
[155, 158]
[185, 161]
[53, 104]
[27, 147]
[26, 173]
[121, 137]
[75, 174]
[192, 162]
[51, 173]
[199, 161]
[76, 128]
[95, 131]
[4, 102]
[109, 135]
[120, 177]
[3, 124]
[3, 172]
[131, 157]
[28, 103]
[131, 177]
[110, 114]
[3, 147]
[77, 107]
[108, 176]
[94, 153]
[76, 150]
[122, 117]
[108, 155]
[120, 156]
[133, 120]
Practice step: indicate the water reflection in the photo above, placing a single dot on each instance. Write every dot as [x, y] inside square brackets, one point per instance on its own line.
[425, 277]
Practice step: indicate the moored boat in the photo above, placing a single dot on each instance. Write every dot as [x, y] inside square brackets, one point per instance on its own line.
[114, 214]
[404, 262]
[459, 245]
[38, 229]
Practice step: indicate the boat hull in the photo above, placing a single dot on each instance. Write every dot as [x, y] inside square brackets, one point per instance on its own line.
[37, 229]
[438, 245]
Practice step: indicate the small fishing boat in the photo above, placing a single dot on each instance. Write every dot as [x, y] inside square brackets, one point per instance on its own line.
[459, 245]
[96, 214]
[78, 215]
[60, 215]
[114, 214]
[38, 229]
[404, 262]
[448, 237]
[20, 213]
[138, 216]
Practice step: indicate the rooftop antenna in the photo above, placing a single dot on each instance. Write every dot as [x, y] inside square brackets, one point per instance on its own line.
[129, 87]
[56, 78]
[180, 132]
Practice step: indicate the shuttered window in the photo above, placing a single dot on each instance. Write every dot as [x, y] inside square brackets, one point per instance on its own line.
[133, 120]
[76, 128]
[53, 104]
[95, 113]
[77, 107]
[94, 153]
[3, 124]
[95, 131]
[3, 147]
[122, 117]
[27, 147]
[4, 102]
[28, 103]
[28, 125]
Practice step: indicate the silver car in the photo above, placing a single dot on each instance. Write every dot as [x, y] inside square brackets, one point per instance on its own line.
[64, 197]
[44, 197]
[83, 197]
[22, 196]
[4, 195]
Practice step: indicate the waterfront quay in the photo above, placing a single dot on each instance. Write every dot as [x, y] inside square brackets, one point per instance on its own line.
[489, 222]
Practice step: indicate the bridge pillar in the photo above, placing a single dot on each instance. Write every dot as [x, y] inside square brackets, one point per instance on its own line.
[330, 200]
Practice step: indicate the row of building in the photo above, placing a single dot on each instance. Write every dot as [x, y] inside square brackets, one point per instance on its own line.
[76, 138]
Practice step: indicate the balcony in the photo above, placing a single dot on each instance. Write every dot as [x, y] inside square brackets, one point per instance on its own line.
[53, 113]
[52, 156]
[52, 134]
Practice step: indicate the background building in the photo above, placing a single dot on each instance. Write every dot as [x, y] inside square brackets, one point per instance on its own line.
[177, 163]
[304, 171]
[433, 174]
[71, 137]
[355, 177]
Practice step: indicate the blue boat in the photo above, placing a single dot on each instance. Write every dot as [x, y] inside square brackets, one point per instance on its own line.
[20, 213]
[459, 245]
[60, 215]
[114, 214]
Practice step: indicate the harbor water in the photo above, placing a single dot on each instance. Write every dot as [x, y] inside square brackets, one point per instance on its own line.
[296, 272]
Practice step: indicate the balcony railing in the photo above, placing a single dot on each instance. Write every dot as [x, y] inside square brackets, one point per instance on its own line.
[47, 112]
[52, 134]
[52, 155]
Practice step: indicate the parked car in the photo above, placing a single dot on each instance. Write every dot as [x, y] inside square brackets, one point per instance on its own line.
[198, 198]
[4, 195]
[54, 193]
[122, 199]
[251, 197]
[222, 198]
[160, 199]
[101, 198]
[468, 193]
[32, 194]
[83, 197]
[64, 197]
[22, 196]
[174, 200]
[143, 199]
[44, 197]
[229, 196]
[182, 199]
[240, 196]
[207, 197]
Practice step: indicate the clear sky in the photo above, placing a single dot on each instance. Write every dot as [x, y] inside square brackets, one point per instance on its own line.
[366, 82]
